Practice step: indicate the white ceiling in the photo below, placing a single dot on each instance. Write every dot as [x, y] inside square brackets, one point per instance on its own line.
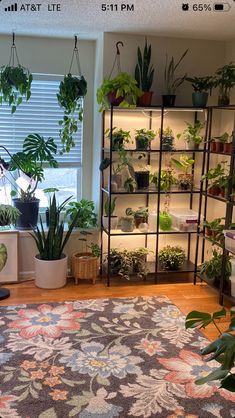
[85, 18]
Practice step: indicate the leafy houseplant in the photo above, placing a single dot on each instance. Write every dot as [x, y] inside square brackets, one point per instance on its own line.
[125, 262]
[143, 139]
[184, 164]
[140, 215]
[8, 215]
[29, 161]
[165, 221]
[222, 349]
[218, 179]
[130, 185]
[201, 86]
[167, 179]
[51, 262]
[70, 97]
[212, 269]
[87, 216]
[214, 229]
[222, 143]
[171, 258]
[119, 138]
[121, 91]
[225, 80]
[109, 210]
[167, 139]
[85, 265]
[172, 83]
[144, 73]
[192, 135]
[15, 83]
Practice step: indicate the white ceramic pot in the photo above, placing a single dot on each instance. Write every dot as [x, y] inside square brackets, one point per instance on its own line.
[113, 222]
[50, 274]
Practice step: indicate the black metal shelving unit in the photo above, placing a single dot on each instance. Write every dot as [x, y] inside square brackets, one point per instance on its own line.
[203, 206]
[189, 266]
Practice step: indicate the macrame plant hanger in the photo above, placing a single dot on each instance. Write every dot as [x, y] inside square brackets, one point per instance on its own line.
[117, 59]
[14, 60]
[76, 57]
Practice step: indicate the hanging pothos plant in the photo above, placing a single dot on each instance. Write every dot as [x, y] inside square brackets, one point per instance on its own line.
[15, 81]
[71, 92]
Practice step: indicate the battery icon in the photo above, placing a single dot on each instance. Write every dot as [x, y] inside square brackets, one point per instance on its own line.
[222, 7]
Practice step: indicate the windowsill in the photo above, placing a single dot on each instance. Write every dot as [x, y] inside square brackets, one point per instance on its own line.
[25, 233]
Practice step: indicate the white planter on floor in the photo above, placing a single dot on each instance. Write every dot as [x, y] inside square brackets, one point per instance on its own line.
[50, 274]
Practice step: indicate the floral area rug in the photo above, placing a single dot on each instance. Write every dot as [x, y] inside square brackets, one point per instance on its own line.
[104, 358]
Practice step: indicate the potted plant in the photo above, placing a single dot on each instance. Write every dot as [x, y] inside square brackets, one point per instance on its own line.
[165, 220]
[217, 178]
[87, 216]
[212, 269]
[191, 135]
[109, 210]
[130, 185]
[139, 257]
[85, 264]
[119, 138]
[171, 82]
[201, 86]
[167, 139]
[167, 179]
[8, 215]
[72, 90]
[121, 91]
[144, 73]
[214, 229]
[171, 258]
[140, 215]
[219, 143]
[142, 174]
[184, 164]
[29, 162]
[143, 139]
[125, 262]
[51, 262]
[127, 223]
[225, 80]
[220, 350]
[15, 84]
[228, 144]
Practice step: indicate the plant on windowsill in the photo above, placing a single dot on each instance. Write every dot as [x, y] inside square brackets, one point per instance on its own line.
[222, 349]
[191, 135]
[212, 269]
[201, 86]
[36, 151]
[185, 163]
[15, 84]
[167, 139]
[121, 91]
[109, 210]
[87, 216]
[72, 90]
[171, 258]
[51, 262]
[144, 73]
[143, 139]
[172, 83]
[8, 215]
[225, 80]
[85, 264]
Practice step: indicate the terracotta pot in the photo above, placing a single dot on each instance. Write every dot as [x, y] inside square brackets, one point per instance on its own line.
[222, 191]
[213, 146]
[113, 100]
[214, 190]
[228, 148]
[145, 99]
[219, 146]
[208, 231]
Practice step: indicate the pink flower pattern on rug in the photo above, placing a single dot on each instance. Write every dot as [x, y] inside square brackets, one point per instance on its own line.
[108, 358]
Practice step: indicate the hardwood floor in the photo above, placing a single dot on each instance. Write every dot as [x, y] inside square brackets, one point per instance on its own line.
[185, 296]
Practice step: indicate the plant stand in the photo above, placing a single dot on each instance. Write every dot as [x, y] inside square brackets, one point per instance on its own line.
[85, 266]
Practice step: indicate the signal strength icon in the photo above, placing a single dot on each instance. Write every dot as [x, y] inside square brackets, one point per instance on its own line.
[12, 8]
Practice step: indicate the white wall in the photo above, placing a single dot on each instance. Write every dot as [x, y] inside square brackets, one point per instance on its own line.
[230, 56]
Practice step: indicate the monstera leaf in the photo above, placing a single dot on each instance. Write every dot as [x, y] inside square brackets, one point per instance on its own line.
[3, 256]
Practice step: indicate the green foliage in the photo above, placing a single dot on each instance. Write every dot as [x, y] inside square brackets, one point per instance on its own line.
[201, 84]
[184, 163]
[15, 83]
[192, 132]
[171, 258]
[119, 138]
[224, 138]
[144, 137]
[125, 262]
[144, 72]
[130, 184]
[225, 76]
[212, 268]
[112, 206]
[36, 151]
[71, 92]
[167, 179]
[165, 221]
[222, 349]
[217, 176]
[216, 229]
[8, 215]
[87, 217]
[3, 256]
[141, 212]
[94, 248]
[51, 244]
[171, 82]
[124, 86]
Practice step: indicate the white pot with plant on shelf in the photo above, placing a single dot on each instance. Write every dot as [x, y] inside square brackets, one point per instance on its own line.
[109, 210]
[192, 135]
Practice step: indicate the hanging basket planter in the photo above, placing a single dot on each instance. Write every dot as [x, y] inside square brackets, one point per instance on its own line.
[72, 90]
[15, 81]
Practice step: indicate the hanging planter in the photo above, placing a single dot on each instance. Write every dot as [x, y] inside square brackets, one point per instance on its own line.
[15, 81]
[71, 93]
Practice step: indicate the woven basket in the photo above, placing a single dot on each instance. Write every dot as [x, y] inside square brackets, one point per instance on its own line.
[85, 266]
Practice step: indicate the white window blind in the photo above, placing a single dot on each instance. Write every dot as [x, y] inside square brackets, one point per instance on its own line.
[39, 115]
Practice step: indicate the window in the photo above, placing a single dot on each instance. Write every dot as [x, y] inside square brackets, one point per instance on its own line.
[41, 115]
